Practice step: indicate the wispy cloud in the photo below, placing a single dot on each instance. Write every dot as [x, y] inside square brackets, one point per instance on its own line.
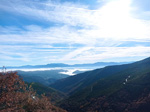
[99, 31]
[95, 54]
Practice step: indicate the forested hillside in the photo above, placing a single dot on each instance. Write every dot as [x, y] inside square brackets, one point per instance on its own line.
[125, 91]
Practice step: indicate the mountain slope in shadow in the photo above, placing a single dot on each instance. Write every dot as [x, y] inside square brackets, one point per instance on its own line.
[127, 90]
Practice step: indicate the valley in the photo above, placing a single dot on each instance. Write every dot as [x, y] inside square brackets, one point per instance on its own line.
[115, 88]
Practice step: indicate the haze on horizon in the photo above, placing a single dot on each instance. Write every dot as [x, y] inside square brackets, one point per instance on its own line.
[35, 32]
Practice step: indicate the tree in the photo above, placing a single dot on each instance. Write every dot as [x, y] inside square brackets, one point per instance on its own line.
[15, 95]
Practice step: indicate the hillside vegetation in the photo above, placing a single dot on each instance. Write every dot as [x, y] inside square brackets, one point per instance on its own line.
[53, 95]
[125, 90]
[16, 96]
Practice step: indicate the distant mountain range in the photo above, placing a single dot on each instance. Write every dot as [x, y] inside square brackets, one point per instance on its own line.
[119, 88]
[53, 65]
[45, 77]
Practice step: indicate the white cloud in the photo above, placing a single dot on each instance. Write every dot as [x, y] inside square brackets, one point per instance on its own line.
[100, 31]
[113, 20]
[95, 54]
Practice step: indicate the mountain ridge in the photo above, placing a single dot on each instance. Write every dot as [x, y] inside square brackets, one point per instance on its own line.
[51, 65]
[125, 91]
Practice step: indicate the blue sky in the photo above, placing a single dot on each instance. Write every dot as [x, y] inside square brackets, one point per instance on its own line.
[73, 31]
